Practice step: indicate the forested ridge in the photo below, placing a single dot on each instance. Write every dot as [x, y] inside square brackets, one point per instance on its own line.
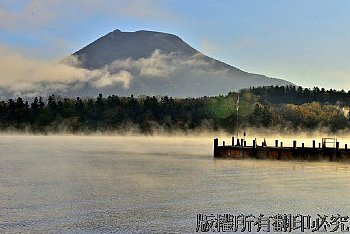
[280, 108]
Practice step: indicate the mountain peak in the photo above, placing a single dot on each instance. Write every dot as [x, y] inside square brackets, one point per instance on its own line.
[118, 45]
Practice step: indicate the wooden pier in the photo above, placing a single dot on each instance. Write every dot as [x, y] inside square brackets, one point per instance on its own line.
[325, 151]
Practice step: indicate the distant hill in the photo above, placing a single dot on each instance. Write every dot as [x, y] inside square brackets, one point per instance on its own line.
[156, 63]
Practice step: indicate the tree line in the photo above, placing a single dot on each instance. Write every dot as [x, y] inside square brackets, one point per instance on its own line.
[299, 95]
[279, 108]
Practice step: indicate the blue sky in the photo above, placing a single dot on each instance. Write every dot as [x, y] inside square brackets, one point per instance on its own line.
[305, 42]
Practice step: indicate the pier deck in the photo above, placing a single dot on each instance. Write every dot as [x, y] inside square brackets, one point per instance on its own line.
[278, 152]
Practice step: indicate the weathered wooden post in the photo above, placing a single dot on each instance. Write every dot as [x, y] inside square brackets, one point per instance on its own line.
[254, 144]
[237, 142]
[281, 144]
[245, 143]
[233, 141]
[276, 143]
[337, 154]
[216, 144]
[302, 145]
[319, 145]
[346, 146]
[294, 149]
[314, 144]
[223, 143]
[241, 142]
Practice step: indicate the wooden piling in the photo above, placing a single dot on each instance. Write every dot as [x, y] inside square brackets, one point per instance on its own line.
[337, 153]
[319, 145]
[314, 144]
[281, 144]
[237, 142]
[233, 141]
[346, 146]
[223, 143]
[216, 144]
[245, 143]
[241, 142]
[254, 144]
[302, 145]
[294, 144]
[276, 143]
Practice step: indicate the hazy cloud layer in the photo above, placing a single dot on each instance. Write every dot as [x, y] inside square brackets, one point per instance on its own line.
[23, 76]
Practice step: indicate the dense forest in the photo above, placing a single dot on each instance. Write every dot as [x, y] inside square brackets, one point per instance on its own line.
[278, 108]
[298, 95]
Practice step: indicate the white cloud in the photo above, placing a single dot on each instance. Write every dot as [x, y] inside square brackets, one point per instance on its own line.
[23, 75]
[164, 66]
[158, 65]
[15, 67]
[108, 79]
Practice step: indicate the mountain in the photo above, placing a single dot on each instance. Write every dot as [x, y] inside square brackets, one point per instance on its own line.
[156, 63]
[125, 63]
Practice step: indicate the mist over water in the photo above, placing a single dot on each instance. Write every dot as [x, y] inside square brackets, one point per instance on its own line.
[134, 184]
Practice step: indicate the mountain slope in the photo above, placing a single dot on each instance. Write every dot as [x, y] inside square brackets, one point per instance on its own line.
[162, 64]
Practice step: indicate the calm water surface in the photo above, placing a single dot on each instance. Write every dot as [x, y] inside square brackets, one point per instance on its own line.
[88, 184]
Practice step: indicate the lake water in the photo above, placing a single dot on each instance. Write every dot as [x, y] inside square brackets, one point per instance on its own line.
[88, 184]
